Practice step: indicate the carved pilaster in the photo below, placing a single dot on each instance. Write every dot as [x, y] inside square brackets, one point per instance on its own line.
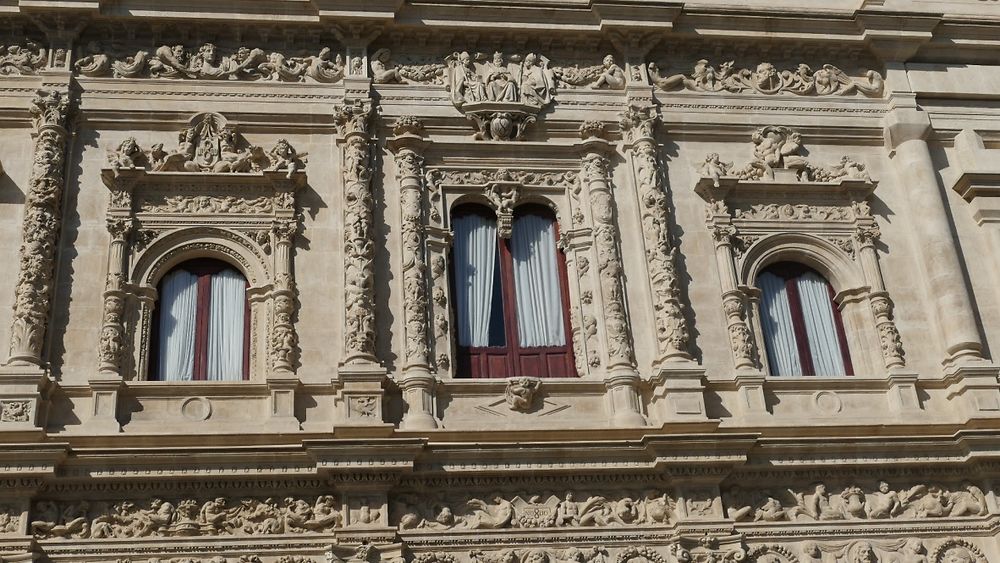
[881, 304]
[734, 301]
[284, 340]
[354, 119]
[672, 333]
[40, 229]
[408, 145]
[112, 345]
[622, 377]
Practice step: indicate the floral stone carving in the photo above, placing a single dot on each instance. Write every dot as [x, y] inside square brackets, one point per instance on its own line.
[766, 79]
[20, 59]
[502, 96]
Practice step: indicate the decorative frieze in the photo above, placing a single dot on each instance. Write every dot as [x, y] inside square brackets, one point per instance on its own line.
[608, 509]
[23, 59]
[206, 63]
[40, 228]
[768, 80]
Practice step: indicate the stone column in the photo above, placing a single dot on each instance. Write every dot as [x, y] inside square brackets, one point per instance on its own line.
[881, 305]
[622, 379]
[671, 327]
[938, 250]
[42, 222]
[417, 382]
[112, 345]
[734, 301]
[284, 340]
[354, 119]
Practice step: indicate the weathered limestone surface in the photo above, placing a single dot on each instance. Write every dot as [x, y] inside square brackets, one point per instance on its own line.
[319, 146]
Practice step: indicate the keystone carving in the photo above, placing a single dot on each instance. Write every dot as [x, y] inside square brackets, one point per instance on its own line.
[520, 393]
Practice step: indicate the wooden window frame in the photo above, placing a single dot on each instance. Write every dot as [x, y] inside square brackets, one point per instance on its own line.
[204, 269]
[511, 359]
[790, 272]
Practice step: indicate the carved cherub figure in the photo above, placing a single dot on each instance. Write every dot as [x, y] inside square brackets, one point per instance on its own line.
[883, 503]
[714, 168]
[285, 157]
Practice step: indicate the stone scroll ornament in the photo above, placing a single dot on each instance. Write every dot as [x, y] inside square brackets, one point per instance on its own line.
[672, 333]
[766, 79]
[354, 120]
[33, 294]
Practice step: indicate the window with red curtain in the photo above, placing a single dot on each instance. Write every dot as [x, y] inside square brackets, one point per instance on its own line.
[201, 324]
[510, 295]
[803, 330]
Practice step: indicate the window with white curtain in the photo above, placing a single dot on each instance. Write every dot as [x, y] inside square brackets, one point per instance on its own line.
[201, 324]
[803, 331]
[510, 295]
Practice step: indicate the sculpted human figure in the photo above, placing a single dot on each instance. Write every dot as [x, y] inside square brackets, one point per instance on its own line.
[771, 510]
[536, 81]
[213, 513]
[714, 168]
[568, 512]
[817, 505]
[500, 86]
[969, 502]
[883, 503]
[284, 157]
[321, 69]
[487, 516]
[467, 85]
[612, 76]
[382, 69]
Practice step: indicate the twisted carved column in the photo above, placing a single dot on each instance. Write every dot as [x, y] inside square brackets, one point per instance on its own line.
[33, 294]
[672, 334]
[354, 120]
[417, 383]
[284, 340]
[734, 301]
[892, 346]
[112, 345]
[622, 380]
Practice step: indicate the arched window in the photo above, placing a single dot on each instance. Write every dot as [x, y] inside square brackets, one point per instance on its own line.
[803, 331]
[201, 324]
[510, 295]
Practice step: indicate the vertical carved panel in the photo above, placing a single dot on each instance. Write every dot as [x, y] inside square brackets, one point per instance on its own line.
[40, 229]
[672, 333]
[354, 120]
[284, 340]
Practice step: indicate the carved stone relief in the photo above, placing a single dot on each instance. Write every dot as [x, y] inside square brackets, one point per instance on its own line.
[520, 392]
[15, 411]
[502, 96]
[159, 517]
[22, 59]
[766, 79]
[206, 63]
[853, 502]
[40, 228]
[598, 510]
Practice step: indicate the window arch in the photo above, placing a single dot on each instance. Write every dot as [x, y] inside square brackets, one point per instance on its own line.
[801, 323]
[511, 304]
[201, 324]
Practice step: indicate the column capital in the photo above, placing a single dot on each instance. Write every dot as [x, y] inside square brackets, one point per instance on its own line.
[905, 124]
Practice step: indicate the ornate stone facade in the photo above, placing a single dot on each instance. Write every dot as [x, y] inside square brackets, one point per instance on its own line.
[320, 148]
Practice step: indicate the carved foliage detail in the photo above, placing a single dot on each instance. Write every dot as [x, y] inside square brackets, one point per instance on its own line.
[766, 79]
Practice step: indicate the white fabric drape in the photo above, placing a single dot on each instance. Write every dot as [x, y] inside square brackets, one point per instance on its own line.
[178, 311]
[776, 322]
[817, 311]
[536, 282]
[475, 251]
[227, 307]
